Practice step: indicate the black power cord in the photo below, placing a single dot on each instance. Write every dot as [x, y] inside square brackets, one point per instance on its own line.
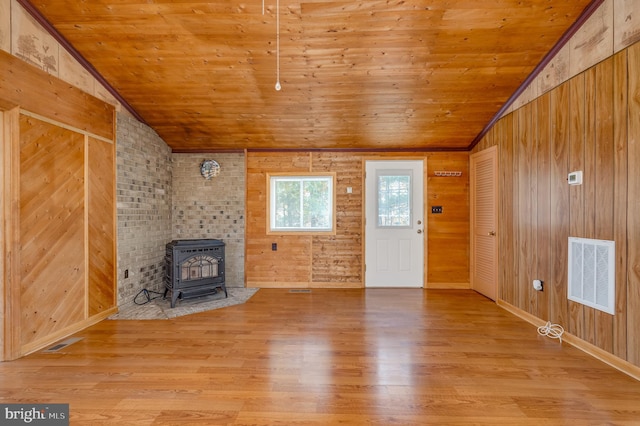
[147, 295]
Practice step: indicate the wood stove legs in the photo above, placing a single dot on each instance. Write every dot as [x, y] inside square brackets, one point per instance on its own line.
[192, 293]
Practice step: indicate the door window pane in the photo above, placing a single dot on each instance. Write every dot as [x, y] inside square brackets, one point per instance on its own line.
[394, 200]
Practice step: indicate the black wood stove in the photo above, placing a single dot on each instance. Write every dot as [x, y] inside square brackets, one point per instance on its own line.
[194, 268]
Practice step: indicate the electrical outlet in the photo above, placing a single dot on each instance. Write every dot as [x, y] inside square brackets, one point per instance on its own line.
[537, 285]
[436, 209]
[274, 246]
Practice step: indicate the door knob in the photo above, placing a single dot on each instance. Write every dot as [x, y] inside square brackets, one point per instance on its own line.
[492, 233]
[419, 231]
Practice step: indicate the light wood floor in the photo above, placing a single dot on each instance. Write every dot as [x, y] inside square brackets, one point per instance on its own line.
[374, 357]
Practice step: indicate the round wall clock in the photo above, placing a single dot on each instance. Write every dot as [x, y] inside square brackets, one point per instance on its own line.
[209, 169]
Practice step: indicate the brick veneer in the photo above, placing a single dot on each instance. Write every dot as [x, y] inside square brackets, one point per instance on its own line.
[162, 196]
[144, 207]
[211, 208]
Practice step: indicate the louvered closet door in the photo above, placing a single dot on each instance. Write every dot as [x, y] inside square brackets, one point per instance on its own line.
[484, 221]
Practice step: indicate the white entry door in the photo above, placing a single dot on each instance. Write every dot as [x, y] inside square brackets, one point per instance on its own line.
[394, 230]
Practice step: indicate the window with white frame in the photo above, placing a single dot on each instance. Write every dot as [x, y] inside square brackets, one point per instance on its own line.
[301, 202]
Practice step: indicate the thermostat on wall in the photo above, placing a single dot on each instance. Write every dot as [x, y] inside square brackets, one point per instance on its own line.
[575, 178]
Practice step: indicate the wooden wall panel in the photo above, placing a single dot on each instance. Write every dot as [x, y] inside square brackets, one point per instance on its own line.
[506, 212]
[5, 229]
[37, 91]
[592, 125]
[633, 206]
[291, 262]
[589, 186]
[527, 254]
[621, 168]
[540, 307]
[604, 172]
[51, 229]
[101, 226]
[576, 192]
[10, 234]
[337, 260]
[560, 224]
[626, 24]
[515, 245]
[448, 232]
[53, 251]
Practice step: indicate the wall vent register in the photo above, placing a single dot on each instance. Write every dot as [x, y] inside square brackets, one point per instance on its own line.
[592, 273]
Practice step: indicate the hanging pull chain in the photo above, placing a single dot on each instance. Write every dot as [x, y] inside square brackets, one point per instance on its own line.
[278, 87]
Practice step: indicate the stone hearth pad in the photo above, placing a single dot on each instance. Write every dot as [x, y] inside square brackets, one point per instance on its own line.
[160, 308]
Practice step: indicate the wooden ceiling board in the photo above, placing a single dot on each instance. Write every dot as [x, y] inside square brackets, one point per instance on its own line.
[396, 74]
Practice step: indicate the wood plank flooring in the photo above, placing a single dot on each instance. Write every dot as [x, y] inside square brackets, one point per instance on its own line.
[354, 357]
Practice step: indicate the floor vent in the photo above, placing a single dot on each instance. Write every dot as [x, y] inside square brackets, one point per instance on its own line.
[59, 346]
[299, 290]
[592, 273]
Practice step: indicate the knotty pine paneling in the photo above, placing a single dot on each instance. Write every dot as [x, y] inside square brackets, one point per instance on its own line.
[37, 91]
[448, 232]
[101, 233]
[337, 260]
[387, 102]
[51, 229]
[60, 253]
[590, 124]
[291, 262]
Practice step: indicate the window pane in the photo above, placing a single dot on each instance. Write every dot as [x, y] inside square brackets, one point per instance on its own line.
[287, 212]
[316, 204]
[301, 203]
[394, 200]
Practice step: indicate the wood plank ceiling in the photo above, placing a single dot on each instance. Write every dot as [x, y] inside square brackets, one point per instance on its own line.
[375, 74]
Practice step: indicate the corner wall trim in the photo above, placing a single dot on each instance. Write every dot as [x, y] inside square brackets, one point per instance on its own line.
[586, 347]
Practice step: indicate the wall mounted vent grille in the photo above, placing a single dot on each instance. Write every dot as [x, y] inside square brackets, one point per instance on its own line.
[592, 273]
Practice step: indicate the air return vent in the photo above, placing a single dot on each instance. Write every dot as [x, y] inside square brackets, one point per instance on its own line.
[592, 273]
[59, 346]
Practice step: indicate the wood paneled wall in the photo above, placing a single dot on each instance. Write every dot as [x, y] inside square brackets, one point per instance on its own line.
[337, 260]
[590, 123]
[101, 232]
[51, 229]
[448, 233]
[58, 209]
